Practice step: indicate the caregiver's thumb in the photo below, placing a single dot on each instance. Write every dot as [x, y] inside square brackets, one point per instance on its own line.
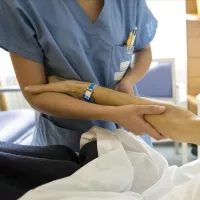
[150, 109]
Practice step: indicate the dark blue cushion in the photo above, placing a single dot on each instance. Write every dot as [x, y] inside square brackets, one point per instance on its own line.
[15, 123]
[157, 82]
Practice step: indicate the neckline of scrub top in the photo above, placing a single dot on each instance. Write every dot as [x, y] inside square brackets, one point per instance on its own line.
[82, 18]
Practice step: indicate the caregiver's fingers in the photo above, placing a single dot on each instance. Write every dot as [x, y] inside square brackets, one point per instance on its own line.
[53, 87]
[150, 109]
[152, 132]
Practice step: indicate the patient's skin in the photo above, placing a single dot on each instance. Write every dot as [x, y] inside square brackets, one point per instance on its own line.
[176, 123]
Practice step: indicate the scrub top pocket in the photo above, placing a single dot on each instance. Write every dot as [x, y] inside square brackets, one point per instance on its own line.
[120, 62]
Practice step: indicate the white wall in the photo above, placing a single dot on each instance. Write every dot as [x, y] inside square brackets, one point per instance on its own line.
[6, 68]
[170, 41]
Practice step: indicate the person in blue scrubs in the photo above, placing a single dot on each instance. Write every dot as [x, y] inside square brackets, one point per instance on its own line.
[81, 40]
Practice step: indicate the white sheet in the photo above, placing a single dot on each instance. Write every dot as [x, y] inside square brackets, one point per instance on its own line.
[126, 169]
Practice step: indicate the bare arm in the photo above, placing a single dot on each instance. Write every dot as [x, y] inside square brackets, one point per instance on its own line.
[54, 104]
[143, 59]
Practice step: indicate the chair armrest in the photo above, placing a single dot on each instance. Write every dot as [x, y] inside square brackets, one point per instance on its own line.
[181, 91]
[198, 104]
[181, 95]
[10, 89]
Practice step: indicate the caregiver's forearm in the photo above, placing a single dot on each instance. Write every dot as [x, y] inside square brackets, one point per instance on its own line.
[143, 59]
[64, 106]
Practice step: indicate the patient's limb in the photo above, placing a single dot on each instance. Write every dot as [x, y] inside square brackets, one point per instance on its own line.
[176, 123]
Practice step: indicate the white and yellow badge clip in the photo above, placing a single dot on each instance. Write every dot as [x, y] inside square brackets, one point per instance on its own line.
[130, 47]
[131, 41]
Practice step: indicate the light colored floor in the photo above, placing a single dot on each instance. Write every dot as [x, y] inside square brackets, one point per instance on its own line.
[168, 151]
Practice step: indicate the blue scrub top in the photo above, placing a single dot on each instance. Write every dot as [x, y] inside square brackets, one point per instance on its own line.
[60, 35]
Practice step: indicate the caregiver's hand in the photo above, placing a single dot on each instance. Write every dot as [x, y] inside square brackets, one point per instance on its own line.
[125, 86]
[131, 118]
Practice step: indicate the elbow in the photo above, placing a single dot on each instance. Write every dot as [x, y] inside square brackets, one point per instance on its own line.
[33, 100]
[39, 102]
[34, 106]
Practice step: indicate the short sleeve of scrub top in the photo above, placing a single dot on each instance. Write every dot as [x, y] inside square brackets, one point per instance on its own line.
[146, 26]
[17, 33]
[60, 35]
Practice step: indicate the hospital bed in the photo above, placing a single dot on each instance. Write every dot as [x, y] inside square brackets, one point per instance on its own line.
[16, 126]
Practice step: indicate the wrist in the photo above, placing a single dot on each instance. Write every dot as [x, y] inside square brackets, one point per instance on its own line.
[130, 79]
[107, 113]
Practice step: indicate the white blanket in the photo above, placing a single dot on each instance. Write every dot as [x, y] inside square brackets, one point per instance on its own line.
[126, 169]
